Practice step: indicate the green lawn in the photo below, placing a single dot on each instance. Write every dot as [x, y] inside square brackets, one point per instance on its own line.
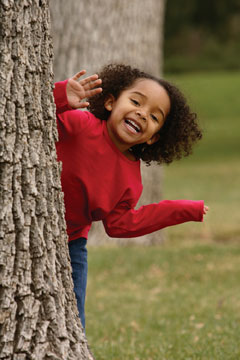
[215, 98]
[212, 173]
[180, 300]
[174, 302]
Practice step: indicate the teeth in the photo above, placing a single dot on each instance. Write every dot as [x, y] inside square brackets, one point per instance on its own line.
[135, 126]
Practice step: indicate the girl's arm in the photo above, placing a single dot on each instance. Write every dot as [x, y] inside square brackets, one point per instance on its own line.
[60, 97]
[125, 223]
[69, 94]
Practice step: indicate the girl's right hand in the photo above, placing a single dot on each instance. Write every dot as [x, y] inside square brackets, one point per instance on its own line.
[79, 90]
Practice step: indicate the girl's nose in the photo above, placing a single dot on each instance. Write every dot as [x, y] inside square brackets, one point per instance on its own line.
[141, 114]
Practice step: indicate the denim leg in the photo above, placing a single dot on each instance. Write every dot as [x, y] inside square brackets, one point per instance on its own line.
[78, 255]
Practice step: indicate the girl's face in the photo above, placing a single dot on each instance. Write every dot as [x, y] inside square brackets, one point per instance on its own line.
[137, 114]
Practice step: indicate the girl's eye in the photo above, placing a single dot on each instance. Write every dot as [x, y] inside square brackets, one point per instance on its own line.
[135, 102]
[154, 117]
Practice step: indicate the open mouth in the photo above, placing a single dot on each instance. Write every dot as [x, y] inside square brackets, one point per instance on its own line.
[132, 126]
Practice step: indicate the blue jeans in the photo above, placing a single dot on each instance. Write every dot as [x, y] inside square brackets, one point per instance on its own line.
[78, 255]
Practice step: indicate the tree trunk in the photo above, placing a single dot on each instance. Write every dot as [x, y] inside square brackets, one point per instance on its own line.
[38, 314]
[90, 34]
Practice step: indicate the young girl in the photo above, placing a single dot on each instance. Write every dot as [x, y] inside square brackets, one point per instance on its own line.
[132, 116]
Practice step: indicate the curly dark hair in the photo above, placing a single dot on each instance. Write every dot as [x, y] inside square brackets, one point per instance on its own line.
[180, 130]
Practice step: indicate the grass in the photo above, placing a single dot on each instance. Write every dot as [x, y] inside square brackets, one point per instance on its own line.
[174, 302]
[214, 96]
[213, 172]
[180, 300]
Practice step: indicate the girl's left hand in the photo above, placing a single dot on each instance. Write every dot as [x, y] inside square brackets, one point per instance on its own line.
[79, 90]
[205, 209]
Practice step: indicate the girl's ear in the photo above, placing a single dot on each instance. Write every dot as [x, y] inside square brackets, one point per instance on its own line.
[153, 139]
[108, 104]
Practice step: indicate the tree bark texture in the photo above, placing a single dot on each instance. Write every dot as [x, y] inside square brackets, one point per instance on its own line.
[38, 314]
[90, 34]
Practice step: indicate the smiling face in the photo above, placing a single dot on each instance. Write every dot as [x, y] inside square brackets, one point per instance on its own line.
[137, 114]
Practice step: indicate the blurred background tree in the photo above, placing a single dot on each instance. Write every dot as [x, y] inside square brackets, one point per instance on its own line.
[202, 35]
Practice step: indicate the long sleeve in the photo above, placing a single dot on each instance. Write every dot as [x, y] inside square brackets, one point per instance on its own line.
[60, 96]
[124, 222]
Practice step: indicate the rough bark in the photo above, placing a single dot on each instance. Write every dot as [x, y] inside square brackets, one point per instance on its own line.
[90, 34]
[38, 314]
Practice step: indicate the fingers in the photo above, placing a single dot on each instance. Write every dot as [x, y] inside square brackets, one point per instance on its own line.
[85, 88]
[80, 104]
[91, 84]
[84, 104]
[89, 79]
[90, 93]
[205, 209]
[79, 74]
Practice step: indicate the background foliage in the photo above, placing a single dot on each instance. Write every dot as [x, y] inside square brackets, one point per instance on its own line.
[202, 35]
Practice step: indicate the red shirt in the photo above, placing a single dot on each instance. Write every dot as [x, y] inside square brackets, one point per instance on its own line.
[100, 183]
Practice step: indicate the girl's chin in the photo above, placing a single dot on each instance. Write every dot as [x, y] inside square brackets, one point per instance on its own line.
[130, 134]
[127, 138]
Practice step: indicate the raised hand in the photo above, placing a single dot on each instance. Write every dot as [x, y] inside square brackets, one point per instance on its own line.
[78, 90]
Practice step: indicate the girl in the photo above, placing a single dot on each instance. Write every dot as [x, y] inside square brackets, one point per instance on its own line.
[132, 116]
